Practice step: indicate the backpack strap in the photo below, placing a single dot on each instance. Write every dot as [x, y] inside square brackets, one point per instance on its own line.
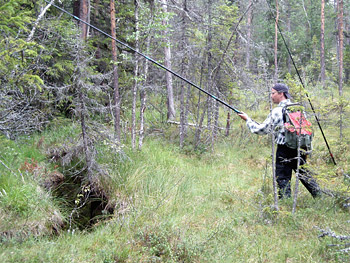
[285, 108]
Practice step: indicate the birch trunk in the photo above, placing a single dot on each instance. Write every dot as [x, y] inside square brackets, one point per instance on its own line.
[143, 94]
[41, 15]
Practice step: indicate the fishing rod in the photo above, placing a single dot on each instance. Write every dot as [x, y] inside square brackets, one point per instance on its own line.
[302, 83]
[148, 58]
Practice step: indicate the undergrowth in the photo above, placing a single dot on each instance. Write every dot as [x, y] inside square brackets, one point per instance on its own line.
[169, 205]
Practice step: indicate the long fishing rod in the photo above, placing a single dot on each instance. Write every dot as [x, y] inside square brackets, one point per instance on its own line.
[148, 58]
[302, 83]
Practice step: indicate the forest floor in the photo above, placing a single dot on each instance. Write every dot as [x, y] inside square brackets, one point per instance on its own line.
[169, 206]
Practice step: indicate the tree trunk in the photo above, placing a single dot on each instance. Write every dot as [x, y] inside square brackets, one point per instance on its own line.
[134, 90]
[143, 95]
[216, 118]
[228, 120]
[297, 172]
[84, 14]
[276, 42]
[249, 34]
[41, 15]
[289, 28]
[94, 19]
[199, 117]
[273, 162]
[167, 63]
[184, 69]
[116, 99]
[85, 134]
[209, 59]
[341, 46]
[322, 53]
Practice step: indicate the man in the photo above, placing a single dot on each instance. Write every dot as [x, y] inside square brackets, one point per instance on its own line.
[286, 158]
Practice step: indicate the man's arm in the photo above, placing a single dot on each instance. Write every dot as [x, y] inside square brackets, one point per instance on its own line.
[257, 128]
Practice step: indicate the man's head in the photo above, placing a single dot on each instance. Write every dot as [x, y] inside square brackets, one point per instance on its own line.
[280, 92]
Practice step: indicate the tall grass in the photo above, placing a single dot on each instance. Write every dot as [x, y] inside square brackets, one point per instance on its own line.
[25, 207]
[176, 207]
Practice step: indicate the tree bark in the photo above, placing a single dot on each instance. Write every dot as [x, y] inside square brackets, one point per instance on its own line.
[143, 94]
[228, 121]
[184, 70]
[216, 109]
[84, 14]
[276, 42]
[167, 62]
[289, 28]
[136, 71]
[41, 15]
[273, 161]
[341, 46]
[322, 53]
[297, 175]
[199, 117]
[341, 43]
[115, 83]
[85, 134]
[249, 35]
[209, 65]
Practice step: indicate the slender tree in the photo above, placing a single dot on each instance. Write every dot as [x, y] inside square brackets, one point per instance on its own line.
[43, 10]
[249, 34]
[209, 47]
[143, 94]
[322, 53]
[167, 63]
[184, 70]
[340, 45]
[136, 72]
[115, 82]
[289, 29]
[276, 42]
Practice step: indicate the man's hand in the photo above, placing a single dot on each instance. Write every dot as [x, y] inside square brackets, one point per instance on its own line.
[243, 116]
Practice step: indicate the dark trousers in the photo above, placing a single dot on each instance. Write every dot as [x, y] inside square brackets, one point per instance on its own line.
[286, 162]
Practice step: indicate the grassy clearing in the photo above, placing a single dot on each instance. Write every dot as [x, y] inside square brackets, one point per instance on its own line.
[172, 207]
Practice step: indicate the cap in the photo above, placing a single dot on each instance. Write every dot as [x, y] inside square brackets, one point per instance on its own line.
[279, 87]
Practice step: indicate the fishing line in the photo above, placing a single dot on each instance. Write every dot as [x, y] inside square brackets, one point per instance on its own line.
[302, 83]
[196, 86]
[146, 57]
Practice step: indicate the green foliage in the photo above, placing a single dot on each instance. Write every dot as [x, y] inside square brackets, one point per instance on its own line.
[15, 14]
[18, 57]
[16, 64]
[197, 204]
[165, 244]
[171, 207]
[26, 208]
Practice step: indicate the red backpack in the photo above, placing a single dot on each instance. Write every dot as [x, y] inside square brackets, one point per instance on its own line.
[297, 127]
